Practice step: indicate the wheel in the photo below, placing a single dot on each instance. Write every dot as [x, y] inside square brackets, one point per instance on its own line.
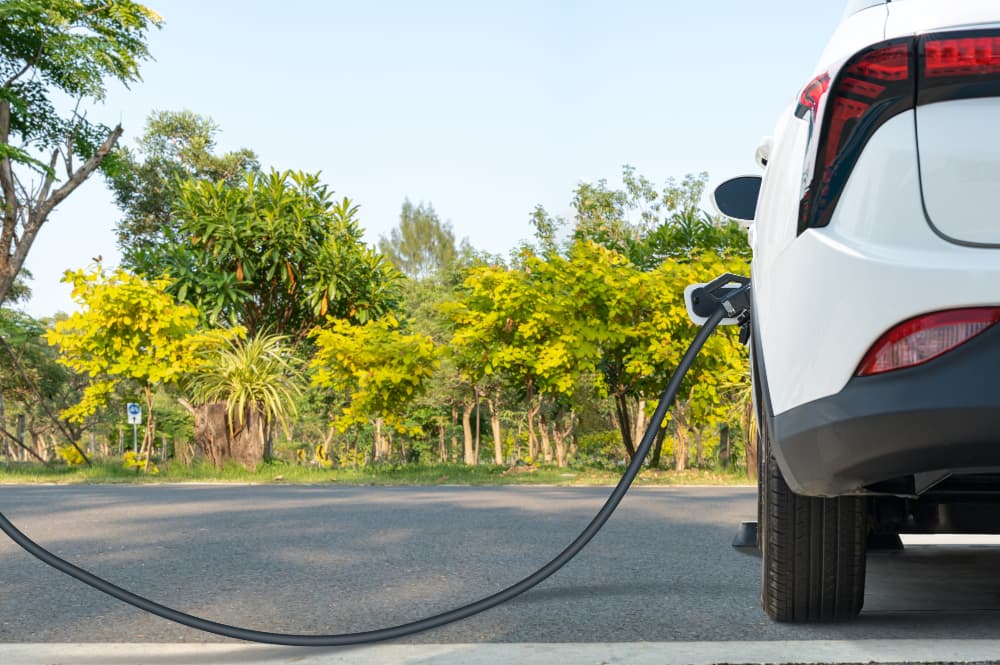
[813, 551]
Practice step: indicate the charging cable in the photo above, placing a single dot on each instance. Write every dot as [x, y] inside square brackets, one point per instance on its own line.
[394, 632]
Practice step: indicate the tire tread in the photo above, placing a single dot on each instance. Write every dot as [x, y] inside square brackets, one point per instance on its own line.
[813, 553]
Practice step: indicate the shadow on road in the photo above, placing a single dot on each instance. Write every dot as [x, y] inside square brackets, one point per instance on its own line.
[337, 559]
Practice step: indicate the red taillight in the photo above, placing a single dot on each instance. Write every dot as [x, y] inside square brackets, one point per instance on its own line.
[884, 80]
[969, 56]
[812, 94]
[926, 337]
[872, 86]
[888, 63]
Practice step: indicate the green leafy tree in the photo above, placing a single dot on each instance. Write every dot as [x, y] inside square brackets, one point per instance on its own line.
[686, 229]
[517, 325]
[555, 325]
[31, 383]
[176, 146]
[446, 390]
[379, 366]
[643, 223]
[51, 51]
[422, 245]
[276, 253]
[129, 331]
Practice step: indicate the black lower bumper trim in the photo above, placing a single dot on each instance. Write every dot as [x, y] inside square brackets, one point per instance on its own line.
[942, 415]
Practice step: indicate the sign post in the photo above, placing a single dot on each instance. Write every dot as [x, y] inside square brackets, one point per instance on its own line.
[134, 413]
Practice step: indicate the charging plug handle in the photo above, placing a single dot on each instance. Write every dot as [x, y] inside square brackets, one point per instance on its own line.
[731, 291]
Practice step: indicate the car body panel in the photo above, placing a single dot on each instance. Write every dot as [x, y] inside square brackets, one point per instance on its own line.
[876, 264]
[914, 17]
[959, 169]
[890, 427]
[824, 295]
[853, 34]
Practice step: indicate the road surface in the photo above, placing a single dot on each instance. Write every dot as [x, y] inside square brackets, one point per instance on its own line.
[335, 559]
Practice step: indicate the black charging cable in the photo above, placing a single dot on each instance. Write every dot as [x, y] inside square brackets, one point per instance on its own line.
[394, 632]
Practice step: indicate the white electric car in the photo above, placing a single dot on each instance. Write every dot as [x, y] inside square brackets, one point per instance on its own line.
[876, 293]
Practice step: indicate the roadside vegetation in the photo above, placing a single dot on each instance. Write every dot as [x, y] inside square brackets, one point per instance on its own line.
[275, 473]
[265, 341]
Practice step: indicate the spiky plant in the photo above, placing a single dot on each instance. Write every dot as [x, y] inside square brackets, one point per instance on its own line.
[255, 375]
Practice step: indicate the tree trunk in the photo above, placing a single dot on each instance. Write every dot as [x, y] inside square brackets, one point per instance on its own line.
[532, 437]
[328, 441]
[454, 437]
[698, 448]
[470, 454]
[4, 444]
[546, 441]
[442, 452]
[680, 448]
[38, 441]
[562, 437]
[219, 439]
[624, 424]
[147, 440]
[654, 460]
[495, 427]
[379, 447]
[639, 426]
[479, 421]
[725, 454]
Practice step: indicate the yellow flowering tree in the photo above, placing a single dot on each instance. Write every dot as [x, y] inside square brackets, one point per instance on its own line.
[128, 330]
[379, 366]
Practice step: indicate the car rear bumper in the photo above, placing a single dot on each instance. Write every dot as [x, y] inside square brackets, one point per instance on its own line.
[879, 431]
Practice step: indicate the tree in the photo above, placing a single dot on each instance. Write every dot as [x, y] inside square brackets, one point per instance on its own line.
[687, 230]
[31, 381]
[52, 50]
[176, 146]
[517, 324]
[665, 334]
[253, 380]
[421, 245]
[275, 252]
[379, 366]
[644, 224]
[130, 331]
[557, 325]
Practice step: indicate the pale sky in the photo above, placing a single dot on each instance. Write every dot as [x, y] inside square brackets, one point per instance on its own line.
[484, 109]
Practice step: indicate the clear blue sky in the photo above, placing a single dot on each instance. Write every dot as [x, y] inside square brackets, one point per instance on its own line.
[483, 109]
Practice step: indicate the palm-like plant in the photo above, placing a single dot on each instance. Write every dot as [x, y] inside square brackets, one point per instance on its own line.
[252, 376]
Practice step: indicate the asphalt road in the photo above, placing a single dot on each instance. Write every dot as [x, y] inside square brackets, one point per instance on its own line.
[336, 559]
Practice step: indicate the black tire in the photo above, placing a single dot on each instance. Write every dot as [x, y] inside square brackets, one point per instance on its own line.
[813, 551]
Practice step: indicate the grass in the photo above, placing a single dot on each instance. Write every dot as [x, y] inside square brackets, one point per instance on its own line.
[386, 474]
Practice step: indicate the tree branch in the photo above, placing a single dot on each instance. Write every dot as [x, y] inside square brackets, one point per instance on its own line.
[28, 64]
[38, 217]
[43, 191]
[41, 399]
[18, 442]
[80, 174]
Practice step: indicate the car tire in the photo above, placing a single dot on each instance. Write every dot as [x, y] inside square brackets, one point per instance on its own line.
[813, 551]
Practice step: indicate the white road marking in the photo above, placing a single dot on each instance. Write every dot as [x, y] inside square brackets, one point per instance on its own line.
[626, 653]
[949, 539]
